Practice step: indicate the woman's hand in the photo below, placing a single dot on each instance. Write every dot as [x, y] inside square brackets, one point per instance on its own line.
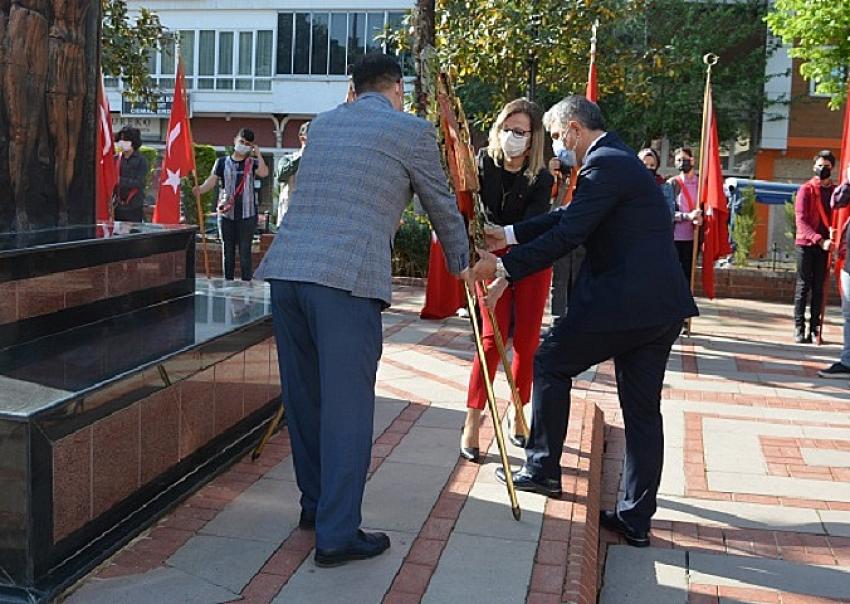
[494, 292]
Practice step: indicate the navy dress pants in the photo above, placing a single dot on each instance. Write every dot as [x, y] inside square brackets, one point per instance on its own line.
[329, 343]
[640, 360]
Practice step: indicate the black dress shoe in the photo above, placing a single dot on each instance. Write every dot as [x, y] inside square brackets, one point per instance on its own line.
[518, 440]
[611, 521]
[307, 521]
[469, 453]
[524, 481]
[366, 545]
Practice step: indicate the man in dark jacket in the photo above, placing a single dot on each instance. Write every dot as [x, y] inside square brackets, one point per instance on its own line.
[630, 300]
[813, 241]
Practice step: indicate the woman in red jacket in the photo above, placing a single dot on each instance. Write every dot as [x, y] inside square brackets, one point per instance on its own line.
[515, 185]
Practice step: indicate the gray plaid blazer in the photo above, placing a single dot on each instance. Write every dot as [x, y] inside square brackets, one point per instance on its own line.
[358, 171]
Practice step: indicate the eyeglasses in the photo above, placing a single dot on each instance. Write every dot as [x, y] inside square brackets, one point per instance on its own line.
[518, 132]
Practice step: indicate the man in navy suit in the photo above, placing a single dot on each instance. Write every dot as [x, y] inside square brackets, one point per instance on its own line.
[628, 304]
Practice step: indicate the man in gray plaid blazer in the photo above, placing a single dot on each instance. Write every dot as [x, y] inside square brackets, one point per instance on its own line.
[329, 269]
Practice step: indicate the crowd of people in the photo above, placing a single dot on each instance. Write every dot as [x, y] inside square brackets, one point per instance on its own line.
[596, 229]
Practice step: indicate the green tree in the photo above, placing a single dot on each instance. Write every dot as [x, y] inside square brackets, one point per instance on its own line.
[649, 59]
[126, 45]
[205, 157]
[744, 231]
[819, 33]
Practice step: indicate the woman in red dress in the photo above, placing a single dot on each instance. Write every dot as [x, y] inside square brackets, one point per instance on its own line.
[515, 185]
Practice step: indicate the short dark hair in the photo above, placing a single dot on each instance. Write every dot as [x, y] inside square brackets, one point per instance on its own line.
[375, 72]
[578, 108]
[302, 131]
[827, 155]
[128, 133]
[684, 150]
[246, 134]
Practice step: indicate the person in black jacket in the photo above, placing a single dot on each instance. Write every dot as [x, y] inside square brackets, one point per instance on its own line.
[515, 185]
[630, 300]
[129, 197]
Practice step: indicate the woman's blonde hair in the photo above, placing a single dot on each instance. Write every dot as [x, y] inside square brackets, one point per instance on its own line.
[535, 150]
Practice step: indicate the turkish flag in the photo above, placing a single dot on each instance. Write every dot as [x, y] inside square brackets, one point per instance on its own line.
[591, 80]
[107, 171]
[714, 203]
[179, 159]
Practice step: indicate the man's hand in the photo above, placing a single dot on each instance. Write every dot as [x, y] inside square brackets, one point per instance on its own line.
[494, 237]
[196, 190]
[826, 244]
[494, 292]
[485, 268]
[695, 217]
[555, 168]
[466, 276]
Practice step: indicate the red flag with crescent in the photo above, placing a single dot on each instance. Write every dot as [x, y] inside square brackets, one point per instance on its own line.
[179, 160]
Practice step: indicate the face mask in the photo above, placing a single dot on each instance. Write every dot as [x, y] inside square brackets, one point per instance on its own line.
[513, 145]
[123, 145]
[568, 158]
[652, 170]
[242, 149]
[823, 172]
[557, 146]
[684, 165]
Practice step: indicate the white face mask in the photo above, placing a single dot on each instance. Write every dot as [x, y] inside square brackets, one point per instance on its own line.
[123, 145]
[243, 149]
[557, 146]
[512, 145]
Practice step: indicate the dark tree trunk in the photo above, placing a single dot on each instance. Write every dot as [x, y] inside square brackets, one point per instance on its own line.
[424, 25]
[48, 70]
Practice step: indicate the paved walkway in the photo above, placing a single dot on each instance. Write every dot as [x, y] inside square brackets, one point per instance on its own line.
[755, 497]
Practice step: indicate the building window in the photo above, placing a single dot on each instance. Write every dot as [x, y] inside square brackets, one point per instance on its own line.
[326, 43]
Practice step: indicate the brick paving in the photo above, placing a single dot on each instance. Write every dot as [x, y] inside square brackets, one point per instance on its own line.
[758, 514]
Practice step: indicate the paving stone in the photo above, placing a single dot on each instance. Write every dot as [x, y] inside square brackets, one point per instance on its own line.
[159, 585]
[781, 575]
[222, 561]
[267, 511]
[740, 515]
[836, 523]
[782, 486]
[478, 569]
[826, 457]
[443, 416]
[644, 576]
[399, 496]
[428, 446]
[487, 512]
[363, 581]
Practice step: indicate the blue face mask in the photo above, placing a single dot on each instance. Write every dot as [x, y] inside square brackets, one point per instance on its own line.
[567, 157]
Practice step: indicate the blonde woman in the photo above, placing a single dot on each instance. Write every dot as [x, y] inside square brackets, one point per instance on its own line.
[515, 185]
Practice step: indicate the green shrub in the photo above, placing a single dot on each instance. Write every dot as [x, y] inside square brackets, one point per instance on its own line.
[412, 243]
[151, 155]
[790, 220]
[744, 231]
[204, 159]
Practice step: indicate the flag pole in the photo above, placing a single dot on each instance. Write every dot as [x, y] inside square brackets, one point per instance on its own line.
[710, 60]
[202, 219]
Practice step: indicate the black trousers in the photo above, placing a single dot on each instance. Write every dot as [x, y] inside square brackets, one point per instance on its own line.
[686, 257]
[564, 274]
[237, 233]
[640, 360]
[811, 272]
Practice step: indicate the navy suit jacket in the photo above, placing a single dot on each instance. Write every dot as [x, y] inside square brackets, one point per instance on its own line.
[631, 277]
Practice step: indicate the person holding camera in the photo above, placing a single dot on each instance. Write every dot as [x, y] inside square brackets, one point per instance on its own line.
[515, 185]
[129, 197]
[237, 202]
